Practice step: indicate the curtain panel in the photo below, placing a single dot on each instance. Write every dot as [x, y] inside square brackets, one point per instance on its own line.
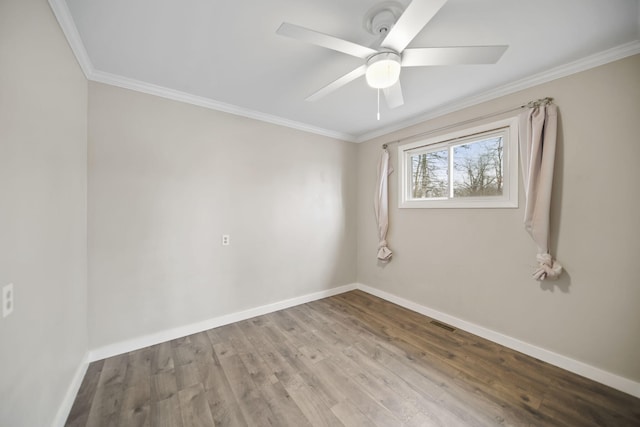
[538, 129]
[381, 206]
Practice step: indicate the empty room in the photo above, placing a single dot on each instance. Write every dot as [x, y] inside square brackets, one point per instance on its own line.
[319, 213]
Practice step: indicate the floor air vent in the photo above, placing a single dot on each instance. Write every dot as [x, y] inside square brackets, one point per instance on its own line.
[443, 326]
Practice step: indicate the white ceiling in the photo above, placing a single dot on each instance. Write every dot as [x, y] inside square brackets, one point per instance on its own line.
[227, 55]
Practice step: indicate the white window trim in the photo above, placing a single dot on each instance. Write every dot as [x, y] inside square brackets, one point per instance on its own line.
[509, 198]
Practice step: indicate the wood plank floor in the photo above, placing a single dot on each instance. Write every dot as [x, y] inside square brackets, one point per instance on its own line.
[352, 360]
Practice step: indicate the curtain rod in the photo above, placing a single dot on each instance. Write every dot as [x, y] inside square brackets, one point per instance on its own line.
[531, 104]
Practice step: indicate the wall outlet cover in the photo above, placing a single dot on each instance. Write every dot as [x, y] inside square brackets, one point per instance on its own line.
[7, 299]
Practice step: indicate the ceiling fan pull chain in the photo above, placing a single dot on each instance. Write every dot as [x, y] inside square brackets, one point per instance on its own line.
[378, 103]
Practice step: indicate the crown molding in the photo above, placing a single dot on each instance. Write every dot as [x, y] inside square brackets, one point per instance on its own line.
[601, 58]
[63, 15]
[65, 19]
[176, 95]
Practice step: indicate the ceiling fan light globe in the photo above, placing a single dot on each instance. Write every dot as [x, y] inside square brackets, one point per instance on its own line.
[383, 71]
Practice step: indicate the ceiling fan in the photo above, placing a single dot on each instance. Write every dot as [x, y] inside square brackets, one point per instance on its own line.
[397, 29]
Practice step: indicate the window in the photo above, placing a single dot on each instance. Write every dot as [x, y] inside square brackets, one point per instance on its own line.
[473, 168]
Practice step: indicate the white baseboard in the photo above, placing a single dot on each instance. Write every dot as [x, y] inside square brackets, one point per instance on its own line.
[607, 378]
[596, 374]
[71, 393]
[181, 331]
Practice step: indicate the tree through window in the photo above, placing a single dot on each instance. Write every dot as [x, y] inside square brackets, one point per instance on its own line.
[430, 174]
[478, 169]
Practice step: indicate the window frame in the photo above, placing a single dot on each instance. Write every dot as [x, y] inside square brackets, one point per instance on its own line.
[509, 197]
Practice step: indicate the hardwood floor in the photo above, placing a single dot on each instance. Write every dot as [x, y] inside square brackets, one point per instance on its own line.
[352, 360]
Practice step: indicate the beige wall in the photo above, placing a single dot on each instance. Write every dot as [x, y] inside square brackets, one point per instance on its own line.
[167, 179]
[43, 134]
[476, 264]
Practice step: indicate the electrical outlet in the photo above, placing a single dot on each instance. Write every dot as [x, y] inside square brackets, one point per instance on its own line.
[7, 299]
[225, 240]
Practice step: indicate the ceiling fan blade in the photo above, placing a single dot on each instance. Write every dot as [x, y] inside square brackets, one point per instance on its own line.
[393, 95]
[349, 77]
[324, 40]
[414, 18]
[427, 56]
